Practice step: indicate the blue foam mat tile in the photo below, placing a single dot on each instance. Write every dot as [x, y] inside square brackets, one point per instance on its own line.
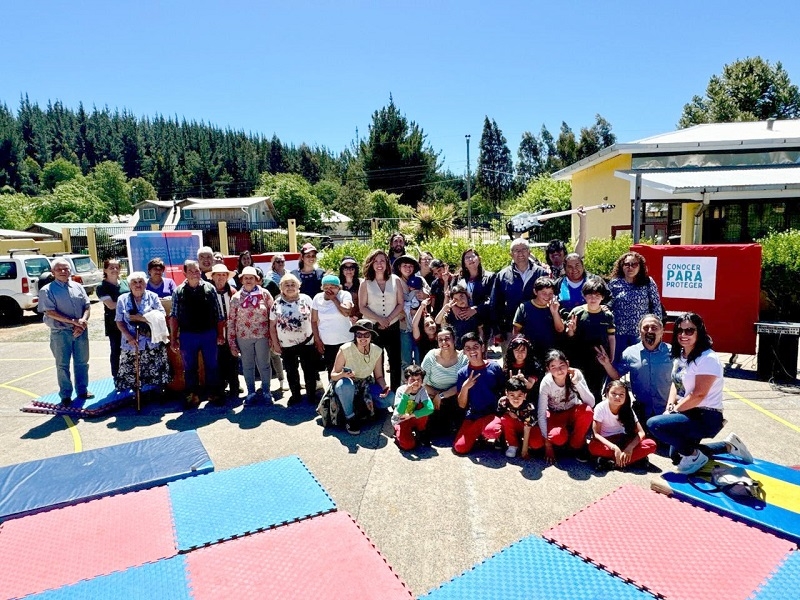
[228, 504]
[162, 579]
[106, 398]
[783, 583]
[38, 485]
[533, 569]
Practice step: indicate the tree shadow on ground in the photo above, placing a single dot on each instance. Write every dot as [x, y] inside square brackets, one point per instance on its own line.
[372, 437]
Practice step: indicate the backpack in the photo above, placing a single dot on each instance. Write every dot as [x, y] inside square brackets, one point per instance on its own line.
[330, 409]
[733, 481]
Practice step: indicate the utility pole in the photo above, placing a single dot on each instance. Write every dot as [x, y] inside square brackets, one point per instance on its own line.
[469, 196]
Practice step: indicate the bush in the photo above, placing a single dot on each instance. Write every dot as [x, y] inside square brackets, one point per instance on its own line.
[602, 253]
[780, 272]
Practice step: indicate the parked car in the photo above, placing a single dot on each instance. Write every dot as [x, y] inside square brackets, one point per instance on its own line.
[19, 283]
[83, 270]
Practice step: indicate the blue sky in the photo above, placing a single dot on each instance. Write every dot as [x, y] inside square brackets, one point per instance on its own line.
[315, 71]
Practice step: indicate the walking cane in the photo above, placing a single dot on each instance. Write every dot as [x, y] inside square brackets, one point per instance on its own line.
[137, 383]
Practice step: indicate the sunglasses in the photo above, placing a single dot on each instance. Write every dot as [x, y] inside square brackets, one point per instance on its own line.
[349, 268]
[632, 265]
[363, 334]
[686, 330]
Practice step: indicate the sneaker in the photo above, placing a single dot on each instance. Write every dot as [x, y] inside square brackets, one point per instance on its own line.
[294, 400]
[692, 463]
[351, 427]
[90, 395]
[604, 464]
[192, 400]
[737, 448]
[65, 402]
[582, 454]
[511, 452]
[264, 396]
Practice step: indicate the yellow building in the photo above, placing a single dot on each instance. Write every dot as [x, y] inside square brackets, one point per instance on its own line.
[714, 183]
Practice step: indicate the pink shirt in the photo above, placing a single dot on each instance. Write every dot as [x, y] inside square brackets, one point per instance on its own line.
[248, 322]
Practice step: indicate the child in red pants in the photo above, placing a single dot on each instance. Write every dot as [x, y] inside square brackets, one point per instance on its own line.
[565, 406]
[619, 439]
[518, 416]
[411, 409]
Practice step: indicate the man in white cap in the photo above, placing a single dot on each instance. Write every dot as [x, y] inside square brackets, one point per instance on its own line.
[228, 365]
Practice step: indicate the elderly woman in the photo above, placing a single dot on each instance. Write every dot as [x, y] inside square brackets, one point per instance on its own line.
[694, 406]
[109, 292]
[358, 374]
[634, 294]
[381, 300]
[157, 283]
[330, 319]
[291, 336]
[248, 333]
[278, 268]
[140, 319]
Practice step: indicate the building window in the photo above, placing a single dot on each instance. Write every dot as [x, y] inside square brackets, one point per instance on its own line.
[188, 214]
[148, 214]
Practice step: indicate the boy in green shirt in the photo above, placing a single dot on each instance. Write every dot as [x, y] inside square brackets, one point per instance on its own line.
[411, 409]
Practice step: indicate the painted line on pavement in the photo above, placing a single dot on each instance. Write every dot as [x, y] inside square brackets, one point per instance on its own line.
[77, 443]
[25, 377]
[763, 410]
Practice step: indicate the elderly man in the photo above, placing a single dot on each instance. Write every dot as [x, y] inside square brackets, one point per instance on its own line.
[648, 365]
[197, 326]
[205, 258]
[512, 286]
[66, 310]
[227, 363]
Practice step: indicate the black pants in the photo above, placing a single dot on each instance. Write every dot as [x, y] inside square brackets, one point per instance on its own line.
[228, 369]
[115, 339]
[307, 357]
[389, 340]
[329, 358]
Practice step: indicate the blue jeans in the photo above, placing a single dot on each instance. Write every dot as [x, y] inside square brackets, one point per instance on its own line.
[409, 353]
[255, 352]
[684, 430]
[65, 347]
[193, 343]
[346, 392]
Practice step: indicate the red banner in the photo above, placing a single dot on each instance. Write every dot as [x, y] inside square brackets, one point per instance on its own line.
[721, 283]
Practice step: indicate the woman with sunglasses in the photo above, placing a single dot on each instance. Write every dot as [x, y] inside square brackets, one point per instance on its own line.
[634, 294]
[357, 375]
[348, 276]
[694, 406]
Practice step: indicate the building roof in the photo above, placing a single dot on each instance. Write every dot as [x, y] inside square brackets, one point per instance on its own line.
[222, 203]
[331, 216]
[750, 135]
[13, 234]
[57, 227]
[697, 181]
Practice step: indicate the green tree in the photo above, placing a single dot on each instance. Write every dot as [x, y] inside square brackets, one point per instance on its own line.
[549, 153]
[751, 89]
[140, 190]
[495, 167]
[108, 182]
[293, 199]
[277, 161]
[30, 174]
[58, 171]
[595, 138]
[394, 155]
[434, 221]
[72, 201]
[11, 150]
[531, 160]
[546, 193]
[16, 211]
[308, 165]
[327, 192]
[352, 201]
[566, 146]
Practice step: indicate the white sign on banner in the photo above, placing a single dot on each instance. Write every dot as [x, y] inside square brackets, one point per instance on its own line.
[689, 277]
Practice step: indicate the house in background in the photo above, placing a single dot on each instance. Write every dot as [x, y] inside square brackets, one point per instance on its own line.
[336, 223]
[713, 183]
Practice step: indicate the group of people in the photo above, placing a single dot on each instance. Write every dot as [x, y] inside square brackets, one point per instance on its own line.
[584, 371]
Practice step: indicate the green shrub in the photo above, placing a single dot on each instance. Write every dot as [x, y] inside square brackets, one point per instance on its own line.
[780, 272]
[602, 253]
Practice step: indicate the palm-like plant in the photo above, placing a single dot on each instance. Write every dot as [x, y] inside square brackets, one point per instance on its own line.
[433, 221]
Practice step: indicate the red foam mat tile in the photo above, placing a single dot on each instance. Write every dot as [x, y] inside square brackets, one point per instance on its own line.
[323, 557]
[60, 547]
[671, 548]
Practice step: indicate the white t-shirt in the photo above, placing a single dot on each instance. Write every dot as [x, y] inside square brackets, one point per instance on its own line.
[609, 422]
[334, 327]
[685, 374]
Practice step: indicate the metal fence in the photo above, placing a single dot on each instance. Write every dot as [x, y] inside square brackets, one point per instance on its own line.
[257, 237]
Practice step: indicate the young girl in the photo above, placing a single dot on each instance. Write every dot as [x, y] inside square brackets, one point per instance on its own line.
[565, 406]
[619, 439]
[518, 415]
[519, 360]
[459, 300]
[424, 329]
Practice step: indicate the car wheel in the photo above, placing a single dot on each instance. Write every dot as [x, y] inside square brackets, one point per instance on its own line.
[10, 312]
